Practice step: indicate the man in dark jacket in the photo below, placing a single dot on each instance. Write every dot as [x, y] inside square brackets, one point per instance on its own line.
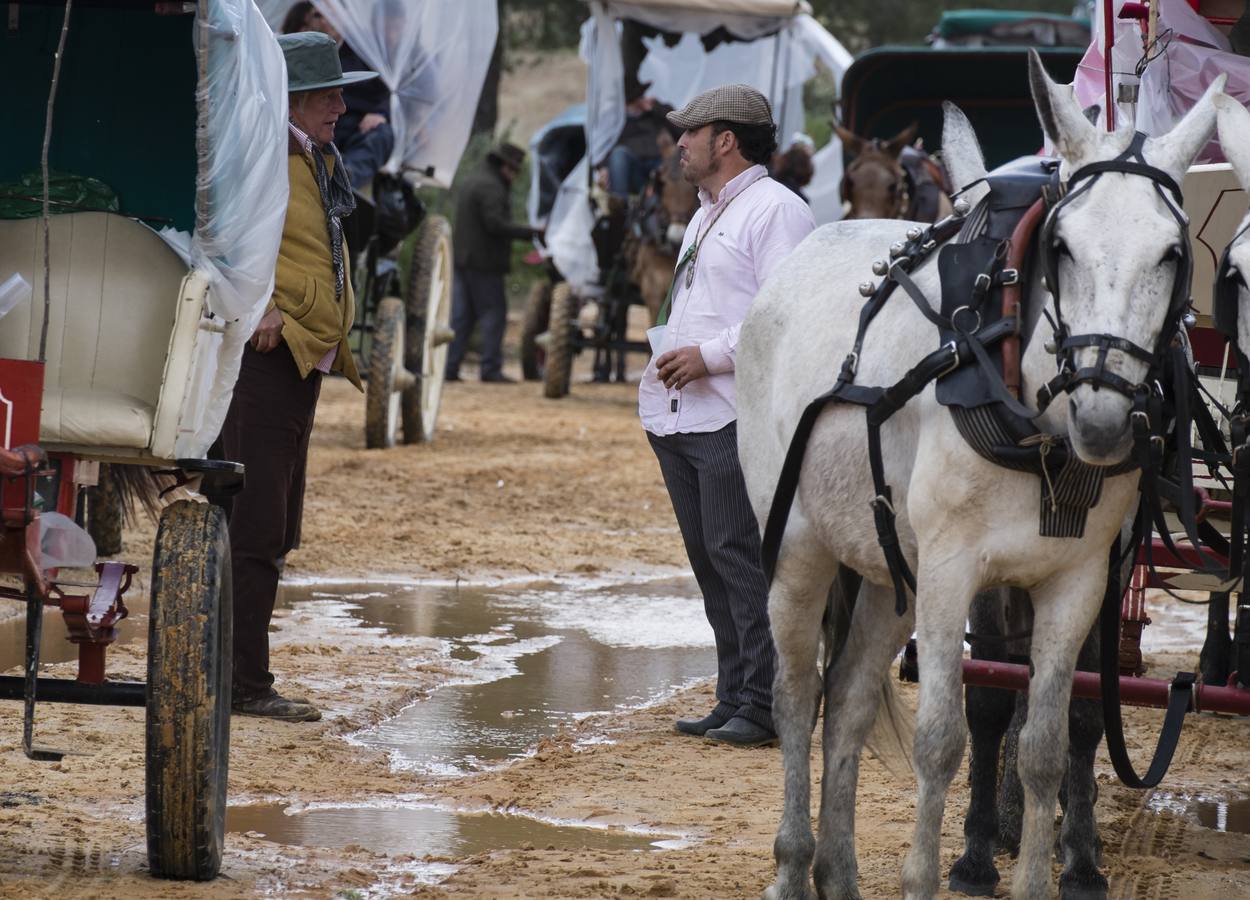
[637, 151]
[483, 238]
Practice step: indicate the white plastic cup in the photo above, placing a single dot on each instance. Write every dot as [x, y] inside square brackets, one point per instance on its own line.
[655, 337]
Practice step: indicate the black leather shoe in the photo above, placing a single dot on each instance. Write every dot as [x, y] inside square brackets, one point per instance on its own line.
[498, 379]
[742, 733]
[700, 727]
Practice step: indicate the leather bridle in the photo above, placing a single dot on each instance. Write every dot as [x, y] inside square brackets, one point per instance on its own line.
[1069, 376]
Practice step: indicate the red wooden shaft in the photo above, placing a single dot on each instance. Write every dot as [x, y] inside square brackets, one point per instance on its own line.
[1133, 691]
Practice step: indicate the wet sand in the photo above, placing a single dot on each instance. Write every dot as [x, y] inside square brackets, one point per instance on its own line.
[519, 488]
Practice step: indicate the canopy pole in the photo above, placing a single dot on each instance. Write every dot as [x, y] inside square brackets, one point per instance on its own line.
[43, 160]
[1108, 42]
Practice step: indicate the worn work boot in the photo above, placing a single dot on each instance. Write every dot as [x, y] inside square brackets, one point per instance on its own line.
[700, 727]
[272, 705]
[742, 732]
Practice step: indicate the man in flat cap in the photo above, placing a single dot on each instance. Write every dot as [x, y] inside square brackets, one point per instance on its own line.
[483, 238]
[746, 224]
[302, 336]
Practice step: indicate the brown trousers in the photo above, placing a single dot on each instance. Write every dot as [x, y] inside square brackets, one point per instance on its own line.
[266, 429]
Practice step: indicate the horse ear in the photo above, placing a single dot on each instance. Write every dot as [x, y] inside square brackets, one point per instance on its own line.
[1062, 118]
[1234, 124]
[853, 143]
[894, 146]
[664, 141]
[1175, 151]
[961, 152]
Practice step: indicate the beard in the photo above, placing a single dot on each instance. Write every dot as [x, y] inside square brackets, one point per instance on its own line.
[694, 172]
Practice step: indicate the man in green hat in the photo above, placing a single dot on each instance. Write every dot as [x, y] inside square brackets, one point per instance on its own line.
[302, 336]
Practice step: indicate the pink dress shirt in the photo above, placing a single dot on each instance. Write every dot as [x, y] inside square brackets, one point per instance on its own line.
[765, 221]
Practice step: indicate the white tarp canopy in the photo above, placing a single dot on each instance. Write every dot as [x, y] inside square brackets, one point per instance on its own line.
[433, 55]
[1193, 53]
[779, 53]
[241, 202]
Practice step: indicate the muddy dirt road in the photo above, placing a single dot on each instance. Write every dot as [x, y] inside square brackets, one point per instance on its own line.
[502, 728]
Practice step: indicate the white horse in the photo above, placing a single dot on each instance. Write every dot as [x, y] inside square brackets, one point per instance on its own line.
[1234, 125]
[964, 523]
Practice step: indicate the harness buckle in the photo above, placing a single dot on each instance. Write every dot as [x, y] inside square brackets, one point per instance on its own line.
[1009, 276]
[982, 284]
[966, 309]
[882, 500]
[851, 363]
[955, 360]
[1140, 417]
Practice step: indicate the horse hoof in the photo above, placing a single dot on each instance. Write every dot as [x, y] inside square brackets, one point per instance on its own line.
[1093, 889]
[980, 883]
[775, 892]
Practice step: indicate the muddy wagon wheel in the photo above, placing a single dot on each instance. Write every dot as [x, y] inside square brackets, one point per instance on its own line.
[104, 514]
[188, 697]
[428, 331]
[537, 315]
[559, 342]
[387, 376]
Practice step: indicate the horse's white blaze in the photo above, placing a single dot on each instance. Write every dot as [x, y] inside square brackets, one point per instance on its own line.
[964, 523]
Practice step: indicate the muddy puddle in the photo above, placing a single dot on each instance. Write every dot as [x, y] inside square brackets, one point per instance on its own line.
[423, 830]
[530, 659]
[55, 646]
[1227, 814]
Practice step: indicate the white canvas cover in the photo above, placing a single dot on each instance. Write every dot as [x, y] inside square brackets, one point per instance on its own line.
[778, 64]
[1195, 52]
[433, 55]
[241, 202]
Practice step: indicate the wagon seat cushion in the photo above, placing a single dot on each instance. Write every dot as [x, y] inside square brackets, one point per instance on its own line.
[115, 286]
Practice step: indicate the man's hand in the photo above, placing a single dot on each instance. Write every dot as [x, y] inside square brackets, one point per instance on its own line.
[677, 368]
[371, 121]
[268, 333]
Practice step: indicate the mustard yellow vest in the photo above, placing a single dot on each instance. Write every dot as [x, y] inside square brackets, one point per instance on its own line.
[313, 319]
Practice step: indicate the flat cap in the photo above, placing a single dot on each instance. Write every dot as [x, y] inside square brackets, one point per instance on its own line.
[738, 103]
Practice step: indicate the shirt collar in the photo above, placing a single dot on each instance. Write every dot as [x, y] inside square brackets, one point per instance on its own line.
[303, 139]
[732, 187]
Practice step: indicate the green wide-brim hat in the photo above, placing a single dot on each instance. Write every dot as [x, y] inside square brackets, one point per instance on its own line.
[312, 62]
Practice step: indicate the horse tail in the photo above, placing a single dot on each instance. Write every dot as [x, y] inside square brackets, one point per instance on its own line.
[893, 729]
[136, 488]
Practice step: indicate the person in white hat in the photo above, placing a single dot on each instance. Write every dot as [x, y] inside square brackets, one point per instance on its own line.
[746, 224]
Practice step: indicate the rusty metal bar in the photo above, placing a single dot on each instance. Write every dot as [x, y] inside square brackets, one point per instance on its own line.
[1133, 691]
[64, 690]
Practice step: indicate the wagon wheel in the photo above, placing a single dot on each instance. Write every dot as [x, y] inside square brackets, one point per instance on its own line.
[537, 315]
[104, 514]
[188, 697]
[387, 376]
[560, 341]
[429, 331]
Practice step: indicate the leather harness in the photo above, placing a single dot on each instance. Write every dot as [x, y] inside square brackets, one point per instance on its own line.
[982, 394]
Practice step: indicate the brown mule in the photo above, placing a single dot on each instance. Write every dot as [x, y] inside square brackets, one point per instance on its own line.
[892, 179]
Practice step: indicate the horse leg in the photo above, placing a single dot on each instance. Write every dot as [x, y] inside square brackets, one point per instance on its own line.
[1078, 837]
[945, 592]
[1010, 791]
[1064, 608]
[857, 687]
[989, 712]
[796, 603]
[1215, 659]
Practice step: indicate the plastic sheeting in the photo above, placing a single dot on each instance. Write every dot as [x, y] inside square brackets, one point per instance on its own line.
[778, 64]
[433, 55]
[241, 201]
[1195, 52]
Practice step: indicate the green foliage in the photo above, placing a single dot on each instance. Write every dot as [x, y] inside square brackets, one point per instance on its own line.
[542, 24]
[860, 24]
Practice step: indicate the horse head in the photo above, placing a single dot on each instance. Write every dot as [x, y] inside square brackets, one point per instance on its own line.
[678, 198]
[875, 183]
[1232, 296]
[1115, 253]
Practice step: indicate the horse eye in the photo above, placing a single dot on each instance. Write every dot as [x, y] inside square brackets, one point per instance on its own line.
[1172, 254]
[1061, 248]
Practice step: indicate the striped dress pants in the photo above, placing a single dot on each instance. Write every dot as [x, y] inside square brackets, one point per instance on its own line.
[704, 481]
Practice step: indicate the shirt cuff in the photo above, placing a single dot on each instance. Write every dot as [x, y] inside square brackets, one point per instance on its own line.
[716, 356]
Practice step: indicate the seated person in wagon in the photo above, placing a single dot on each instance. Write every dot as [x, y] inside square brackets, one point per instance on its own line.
[637, 151]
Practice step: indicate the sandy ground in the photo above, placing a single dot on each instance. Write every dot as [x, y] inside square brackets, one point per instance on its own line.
[514, 485]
